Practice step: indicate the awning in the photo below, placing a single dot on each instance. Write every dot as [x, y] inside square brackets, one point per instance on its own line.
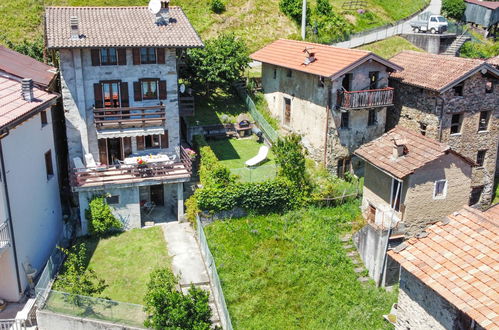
[129, 132]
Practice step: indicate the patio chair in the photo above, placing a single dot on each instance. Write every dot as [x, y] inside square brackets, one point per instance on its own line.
[260, 157]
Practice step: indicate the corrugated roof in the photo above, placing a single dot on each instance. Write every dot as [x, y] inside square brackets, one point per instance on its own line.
[23, 66]
[420, 150]
[329, 61]
[460, 261]
[435, 72]
[487, 4]
[13, 106]
[118, 27]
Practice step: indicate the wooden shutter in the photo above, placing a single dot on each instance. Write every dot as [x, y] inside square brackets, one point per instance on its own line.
[121, 56]
[160, 53]
[102, 151]
[140, 143]
[95, 54]
[137, 91]
[136, 56]
[127, 146]
[124, 94]
[162, 89]
[164, 140]
[98, 96]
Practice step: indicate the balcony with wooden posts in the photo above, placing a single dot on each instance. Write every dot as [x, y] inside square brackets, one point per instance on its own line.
[129, 117]
[136, 169]
[372, 98]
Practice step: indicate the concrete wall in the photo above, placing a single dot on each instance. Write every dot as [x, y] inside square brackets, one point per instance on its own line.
[432, 43]
[371, 244]
[34, 200]
[52, 321]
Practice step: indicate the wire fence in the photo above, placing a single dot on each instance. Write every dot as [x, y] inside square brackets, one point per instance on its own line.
[256, 174]
[213, 274]
[48, 275]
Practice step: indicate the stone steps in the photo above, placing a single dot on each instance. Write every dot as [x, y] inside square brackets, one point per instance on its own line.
[453, 49]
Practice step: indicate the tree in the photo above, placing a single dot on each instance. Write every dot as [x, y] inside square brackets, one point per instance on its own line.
[32, 48]
[290, 157]
[101, 220]
[220, 63]
[292, 9]
[171, 309]
[323, 8]
[454, 8]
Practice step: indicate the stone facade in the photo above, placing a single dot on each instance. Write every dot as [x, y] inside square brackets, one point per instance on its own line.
[314, 113]
[417, 107]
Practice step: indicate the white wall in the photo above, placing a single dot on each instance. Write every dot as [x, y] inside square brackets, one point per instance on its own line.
[34, 199]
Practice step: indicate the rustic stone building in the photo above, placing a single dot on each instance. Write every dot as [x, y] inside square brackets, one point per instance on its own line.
[455, 101]
[410, 181]
[119, 84]
[336, 98]
[450, 275]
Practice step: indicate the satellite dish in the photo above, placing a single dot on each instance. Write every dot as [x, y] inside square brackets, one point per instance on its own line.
[154, 6]
[182, 88]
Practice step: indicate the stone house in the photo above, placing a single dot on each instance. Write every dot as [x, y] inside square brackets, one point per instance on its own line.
[455, 101]
[336, 98]
[31, 219]
[410, 182]
[450, 275]
[119, 80]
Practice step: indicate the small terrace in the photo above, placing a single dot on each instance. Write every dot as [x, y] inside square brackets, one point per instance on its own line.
[135, 169]
[131, 117]
[349, 100]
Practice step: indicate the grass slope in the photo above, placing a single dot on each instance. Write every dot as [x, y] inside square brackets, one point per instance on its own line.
[390, 47]
[258, 22]
[291, 272]
[234, 152]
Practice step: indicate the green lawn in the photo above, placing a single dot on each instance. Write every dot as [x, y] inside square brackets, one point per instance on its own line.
[125, 261]
[291, 272]
[390, 47]
[211, 109]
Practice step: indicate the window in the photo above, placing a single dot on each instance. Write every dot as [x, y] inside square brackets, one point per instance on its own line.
[43, 117]
[148, 55]
[287, 111]
[458, 89]
[275, 73]
[480, 157]
[152, 141]
[371, 213]
[373, 79]
[346, 82]
[111, 94]
[113, 199]
[489, 86]
[345, 116]
[422, 128]
[475, 195]
[289, 73]
[483, 124]
[371, 119]
[149, 89]
[455, 125]
[108, 56]
[320, 82]
[48, 165]
[440, 189]
[396, 194]
[433, 19]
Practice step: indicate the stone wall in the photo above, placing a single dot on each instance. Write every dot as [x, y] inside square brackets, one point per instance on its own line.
[415, 105]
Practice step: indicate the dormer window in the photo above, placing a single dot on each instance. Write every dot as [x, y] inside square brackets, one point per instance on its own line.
[148, 55]
[108, 56]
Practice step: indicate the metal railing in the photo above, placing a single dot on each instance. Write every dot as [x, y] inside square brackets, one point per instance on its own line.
[105, 118]
[48, 275]
[4, 235]
[366, 98]
[213, 274]
[12, 324]
[255, 174]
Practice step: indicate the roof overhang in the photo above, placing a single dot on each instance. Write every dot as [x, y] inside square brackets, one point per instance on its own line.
[483, 66]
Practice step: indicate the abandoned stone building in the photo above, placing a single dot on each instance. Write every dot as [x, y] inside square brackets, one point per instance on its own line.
[450, 275]
[336, 98]
[119, 81]
[453, 100]
[410, 181]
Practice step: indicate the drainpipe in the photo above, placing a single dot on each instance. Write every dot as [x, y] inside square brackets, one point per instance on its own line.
[441, 116]
[9, 215]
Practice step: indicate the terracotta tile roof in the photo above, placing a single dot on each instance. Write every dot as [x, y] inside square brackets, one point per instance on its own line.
[420, 150]
[435, 72]
[23, 66]
[493, 60]
[13, 106]
[330, 61]
[460, 261]
[487, 4]
[118, 27]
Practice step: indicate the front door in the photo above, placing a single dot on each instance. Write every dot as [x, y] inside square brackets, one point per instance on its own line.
[157, 195]
[114, 150]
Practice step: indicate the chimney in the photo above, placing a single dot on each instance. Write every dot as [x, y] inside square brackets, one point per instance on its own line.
[27, 89]
[75, 31]
[165, 11]
[310, 56]
[399, 148]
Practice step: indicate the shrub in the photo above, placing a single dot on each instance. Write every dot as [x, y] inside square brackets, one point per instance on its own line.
[217, 6]
[168, 308]
[292, 9]
[290, 156]
[454, 8]
[479, 50]
[330, 28]
[33, 48]
[101, 220]
[323, 8]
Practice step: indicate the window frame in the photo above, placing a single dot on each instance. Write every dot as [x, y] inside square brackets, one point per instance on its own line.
[107, 51]
[459, 89]
[44, 118]
[289, 73]
[423, 128]
[49, 166]
[343, 120]
[275, 73]
[321, 82]
[443, 195]
[491, 89]
[149, 81]
[148, 55]
[150, 139]
[487, 121]
[459, 124]
[372, 119]
[113, 199]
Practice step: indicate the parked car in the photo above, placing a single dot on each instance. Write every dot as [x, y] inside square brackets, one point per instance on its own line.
[430, 23]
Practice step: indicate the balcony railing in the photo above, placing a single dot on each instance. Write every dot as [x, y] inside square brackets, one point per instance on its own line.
[125, 173]
[366, 99]
[186, 106]
[112, 118]
[4, 236]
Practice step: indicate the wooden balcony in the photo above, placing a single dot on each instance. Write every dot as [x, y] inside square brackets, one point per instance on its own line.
[4, 237]
[181, 168]
[186, 106]
[131, 117]
[372, 98]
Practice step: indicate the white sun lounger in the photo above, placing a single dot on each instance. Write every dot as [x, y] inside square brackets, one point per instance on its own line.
[260, 157]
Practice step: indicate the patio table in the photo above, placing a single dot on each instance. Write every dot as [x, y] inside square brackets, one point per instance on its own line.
[148, 159]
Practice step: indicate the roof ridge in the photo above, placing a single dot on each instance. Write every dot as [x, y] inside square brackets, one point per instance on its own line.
[324, 45]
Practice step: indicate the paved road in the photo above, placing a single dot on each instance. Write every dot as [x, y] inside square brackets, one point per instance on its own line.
[434, 8]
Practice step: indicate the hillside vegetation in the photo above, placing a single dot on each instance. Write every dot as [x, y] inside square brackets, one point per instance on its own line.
[389, 47]
[258, 22]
